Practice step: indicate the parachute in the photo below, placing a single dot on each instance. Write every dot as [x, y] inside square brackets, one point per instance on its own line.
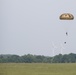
[66, 16]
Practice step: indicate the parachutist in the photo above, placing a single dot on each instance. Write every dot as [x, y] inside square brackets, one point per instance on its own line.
[64, 42]
[67, 33]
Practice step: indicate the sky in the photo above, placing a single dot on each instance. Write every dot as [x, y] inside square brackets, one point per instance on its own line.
[34, 27]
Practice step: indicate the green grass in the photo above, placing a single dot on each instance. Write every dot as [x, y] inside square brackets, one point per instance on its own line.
[37, 69]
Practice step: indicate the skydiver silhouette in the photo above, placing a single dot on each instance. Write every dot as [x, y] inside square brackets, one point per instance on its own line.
[64, 42]
[67, 33]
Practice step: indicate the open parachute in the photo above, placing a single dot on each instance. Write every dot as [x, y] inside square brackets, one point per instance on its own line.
[66, 16]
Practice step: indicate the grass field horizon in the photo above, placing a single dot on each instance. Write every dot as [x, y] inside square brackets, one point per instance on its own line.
[37, 68]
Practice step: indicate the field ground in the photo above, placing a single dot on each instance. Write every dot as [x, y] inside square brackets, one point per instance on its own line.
[37, 69]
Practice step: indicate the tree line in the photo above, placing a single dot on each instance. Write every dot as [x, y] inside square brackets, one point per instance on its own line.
[66, 58]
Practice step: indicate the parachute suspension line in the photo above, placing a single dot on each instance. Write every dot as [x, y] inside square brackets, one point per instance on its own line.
[54, 48]
[66, 30]
[53, 51]
[61, 48]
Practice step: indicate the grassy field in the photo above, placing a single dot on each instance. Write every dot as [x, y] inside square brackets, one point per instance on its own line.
[37, 69]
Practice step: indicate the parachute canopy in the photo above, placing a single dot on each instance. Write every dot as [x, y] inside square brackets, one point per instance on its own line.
[66, 16]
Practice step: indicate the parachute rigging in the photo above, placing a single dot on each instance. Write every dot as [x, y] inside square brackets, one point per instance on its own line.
[66, 16]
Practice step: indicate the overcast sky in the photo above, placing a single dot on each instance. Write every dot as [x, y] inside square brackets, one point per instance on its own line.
[34, 27]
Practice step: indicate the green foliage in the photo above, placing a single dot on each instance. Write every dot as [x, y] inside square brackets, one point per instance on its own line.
[67, 58]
